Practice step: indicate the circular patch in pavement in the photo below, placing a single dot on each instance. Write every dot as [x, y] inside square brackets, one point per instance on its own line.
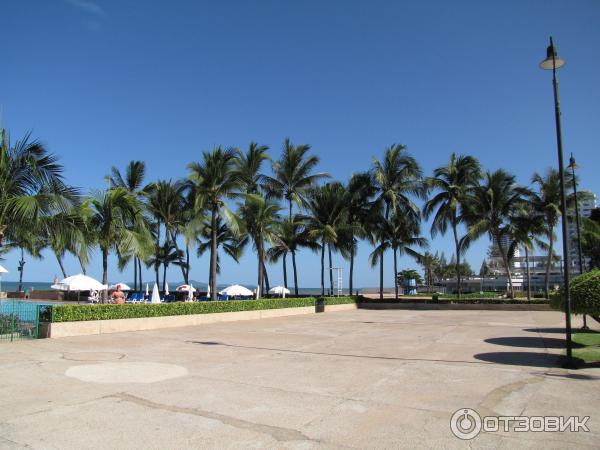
[126, 372]
[93, 356]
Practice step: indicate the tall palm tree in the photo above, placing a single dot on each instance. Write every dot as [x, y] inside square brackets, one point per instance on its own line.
[453, 181]
[166, 201]
[293, 179]
[232, 243]
[488, 209]
[31, 184]
[359, 200]
[112, 211]
[259, 217]
[527, 225]
[400, 234]
[428, 261]
[215, 179]
[398, 177]
[327, 217]
[546, 200]
[133, 181]
[249, 166]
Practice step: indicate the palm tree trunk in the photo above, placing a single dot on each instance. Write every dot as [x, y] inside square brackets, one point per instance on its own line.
[165, 263]
[284, 270]
[506, 266]
[291, 211]
[350, 281]
[323, 268]
[81, 265]
[164, 277]
[457, 266]
[213, 254]
[260, 268]
[182, 265]
[60, 264]
[330, 270]
[104, 272]
[139, 262]
[548, 264]
[387, 214]
[21, 267]
[528, 273]
[265, 274]
[295, 273]
[187, 264]
[396, 272]
[135, 277]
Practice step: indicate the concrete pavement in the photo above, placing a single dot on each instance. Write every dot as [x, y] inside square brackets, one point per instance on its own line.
[355, 379]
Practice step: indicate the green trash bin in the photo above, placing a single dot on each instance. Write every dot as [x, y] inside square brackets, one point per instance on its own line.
[320, 305]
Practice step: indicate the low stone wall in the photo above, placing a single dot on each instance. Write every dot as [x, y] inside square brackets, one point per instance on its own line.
[65, 329]
[457, 306]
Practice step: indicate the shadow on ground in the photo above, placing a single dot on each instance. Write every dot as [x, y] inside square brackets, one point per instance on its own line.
[545, 330]
[530, 342]
[532, 359]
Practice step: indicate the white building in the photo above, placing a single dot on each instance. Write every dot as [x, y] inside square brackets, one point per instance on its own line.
[586, 202]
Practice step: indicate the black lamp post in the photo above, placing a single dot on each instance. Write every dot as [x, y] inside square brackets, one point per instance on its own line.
[553, 62]
[578, 229]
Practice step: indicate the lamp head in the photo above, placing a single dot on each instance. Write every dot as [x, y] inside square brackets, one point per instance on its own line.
[552, 60]
[572, 161]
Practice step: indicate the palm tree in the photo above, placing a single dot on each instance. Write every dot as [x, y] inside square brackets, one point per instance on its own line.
[453, 181]
[428, 261]
[249, 165]
[112, 211]
[232, 244]
[259, 217]
[546, 200]
[166, 200]
[527, 225]
[327, 218]
[359, 200]
[215, 179]
[133, 182]
[397, 177]
[293, 179]
[400, 234]
[31, 184]
[488, 209]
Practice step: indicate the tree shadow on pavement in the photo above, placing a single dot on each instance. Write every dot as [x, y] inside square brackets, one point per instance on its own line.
[532, 359]
[530, 342]
[545, 330]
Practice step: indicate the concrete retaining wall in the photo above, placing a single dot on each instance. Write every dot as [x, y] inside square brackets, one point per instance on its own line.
[457, 306]
[84, 328]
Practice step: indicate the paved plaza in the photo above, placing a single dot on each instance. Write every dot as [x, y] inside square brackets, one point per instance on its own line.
[354, 379]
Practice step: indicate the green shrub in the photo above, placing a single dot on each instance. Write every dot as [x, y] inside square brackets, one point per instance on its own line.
[72, 313]
[340, 300]
[585, 295]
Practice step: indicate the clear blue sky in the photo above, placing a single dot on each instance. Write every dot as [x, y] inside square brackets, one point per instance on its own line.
[102, 82]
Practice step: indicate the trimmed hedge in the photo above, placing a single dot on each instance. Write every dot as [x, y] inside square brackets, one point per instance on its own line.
[340, 300]
[585, 294]
[466, 301]
[74, 313]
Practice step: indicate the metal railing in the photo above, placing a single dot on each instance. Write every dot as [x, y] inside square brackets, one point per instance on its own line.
[18, 320]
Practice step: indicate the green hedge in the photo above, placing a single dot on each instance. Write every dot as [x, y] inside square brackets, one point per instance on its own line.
[466, 301]
[73, 313]
[340, 300]
[585, 294]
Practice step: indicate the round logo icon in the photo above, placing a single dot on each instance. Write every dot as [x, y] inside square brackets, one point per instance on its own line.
[465, 423]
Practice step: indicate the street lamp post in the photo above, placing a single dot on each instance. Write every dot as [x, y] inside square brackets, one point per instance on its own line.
[577, 226]
[553, 62]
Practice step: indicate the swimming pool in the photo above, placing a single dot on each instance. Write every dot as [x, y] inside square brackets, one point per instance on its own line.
[19, 319]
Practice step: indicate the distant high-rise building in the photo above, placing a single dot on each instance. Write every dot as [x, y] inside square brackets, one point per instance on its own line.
[586, 202]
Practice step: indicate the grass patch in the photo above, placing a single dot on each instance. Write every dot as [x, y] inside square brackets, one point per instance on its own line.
[590, 340]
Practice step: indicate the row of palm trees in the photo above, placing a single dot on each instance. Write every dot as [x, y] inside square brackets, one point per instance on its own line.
[227, 202]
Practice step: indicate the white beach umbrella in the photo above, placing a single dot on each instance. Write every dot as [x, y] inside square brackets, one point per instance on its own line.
[208, 291]
[2, 270]
[185, 288]
[79, 282]
[147, 292]
[122, 286]
[279, 290]
[166, 288]
[191, 291]
[235, 290]
[155, 294]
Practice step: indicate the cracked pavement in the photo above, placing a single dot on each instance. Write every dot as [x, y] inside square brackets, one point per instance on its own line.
[353, 379]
